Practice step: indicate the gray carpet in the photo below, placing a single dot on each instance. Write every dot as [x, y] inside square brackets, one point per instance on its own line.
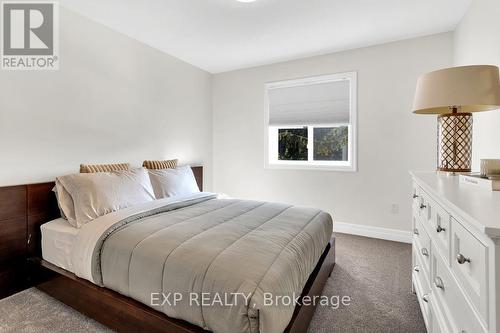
[34, 311]
[375, 274]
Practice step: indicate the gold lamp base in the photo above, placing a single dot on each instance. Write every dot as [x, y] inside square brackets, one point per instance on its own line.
[455, 142]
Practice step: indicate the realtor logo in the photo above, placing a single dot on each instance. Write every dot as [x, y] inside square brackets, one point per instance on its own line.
[30, 36]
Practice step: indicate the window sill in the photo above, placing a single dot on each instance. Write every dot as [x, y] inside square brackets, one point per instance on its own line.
[311, 167]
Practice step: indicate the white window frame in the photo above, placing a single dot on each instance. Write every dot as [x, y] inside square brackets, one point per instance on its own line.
[271, 132]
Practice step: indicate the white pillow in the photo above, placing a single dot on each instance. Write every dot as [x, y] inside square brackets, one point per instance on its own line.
[97, 194]
[173, 182]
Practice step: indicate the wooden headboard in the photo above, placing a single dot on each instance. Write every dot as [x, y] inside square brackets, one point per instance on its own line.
[24, 208]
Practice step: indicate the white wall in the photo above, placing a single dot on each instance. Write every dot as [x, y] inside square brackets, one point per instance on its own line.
[391, 139]
[477, 41]
[113, 100]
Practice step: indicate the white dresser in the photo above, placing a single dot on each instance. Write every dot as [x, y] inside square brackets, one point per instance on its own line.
[456, 254]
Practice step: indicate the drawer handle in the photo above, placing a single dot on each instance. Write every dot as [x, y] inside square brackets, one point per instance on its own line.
[425, 252]
[438, 283]
[461, 259]
[416, 269]
[422, 206]
[440, 228]
[415, 231]
[425, 298]
[29, 239]
[415, 196]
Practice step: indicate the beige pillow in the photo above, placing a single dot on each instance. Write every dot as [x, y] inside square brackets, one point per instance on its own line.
[65, 202]
[97, 194]
[173, 182]
[91, 168]
[158, 165]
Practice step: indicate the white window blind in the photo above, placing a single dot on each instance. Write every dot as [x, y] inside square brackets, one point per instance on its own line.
[310, 104]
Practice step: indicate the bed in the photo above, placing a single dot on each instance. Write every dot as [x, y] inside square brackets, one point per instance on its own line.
[192, 245]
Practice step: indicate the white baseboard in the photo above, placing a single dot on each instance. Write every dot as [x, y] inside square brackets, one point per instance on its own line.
[373, 232]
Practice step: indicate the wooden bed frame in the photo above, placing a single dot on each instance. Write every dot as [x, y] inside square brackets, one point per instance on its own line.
[112, 309]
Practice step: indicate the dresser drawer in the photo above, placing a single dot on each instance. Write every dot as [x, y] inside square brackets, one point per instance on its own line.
[423, 297]
[422, 287]
[422, 207]
[422, 244]
[450, 298]
[439, 230]
[469, 263]
[437, 322]
[420, 233]
[415, 197]
[419, 274]
[434, 326]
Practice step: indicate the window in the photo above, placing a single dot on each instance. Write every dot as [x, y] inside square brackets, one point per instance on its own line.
[311, 123]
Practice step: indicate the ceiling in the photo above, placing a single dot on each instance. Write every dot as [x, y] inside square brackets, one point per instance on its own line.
[223, 35]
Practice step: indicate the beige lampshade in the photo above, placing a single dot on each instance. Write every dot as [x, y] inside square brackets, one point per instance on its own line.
[469, 88]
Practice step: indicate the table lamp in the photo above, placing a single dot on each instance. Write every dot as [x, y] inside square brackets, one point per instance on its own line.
[453, 94]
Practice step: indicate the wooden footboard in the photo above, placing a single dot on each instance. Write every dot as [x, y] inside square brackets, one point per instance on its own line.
[303, 314]
[124, 314]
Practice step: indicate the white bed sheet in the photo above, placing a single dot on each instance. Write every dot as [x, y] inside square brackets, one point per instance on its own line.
[58, 239]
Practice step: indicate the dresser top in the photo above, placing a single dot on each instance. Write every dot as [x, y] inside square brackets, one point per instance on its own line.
[479, 207]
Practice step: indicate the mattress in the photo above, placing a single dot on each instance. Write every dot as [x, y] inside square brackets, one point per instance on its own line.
[58, 238]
